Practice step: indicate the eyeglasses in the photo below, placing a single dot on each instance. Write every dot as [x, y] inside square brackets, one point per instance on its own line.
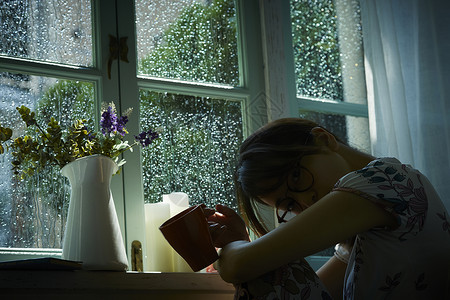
[299, 180]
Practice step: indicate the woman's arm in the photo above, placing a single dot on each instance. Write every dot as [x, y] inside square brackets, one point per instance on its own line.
[336, 217]
[332, 275]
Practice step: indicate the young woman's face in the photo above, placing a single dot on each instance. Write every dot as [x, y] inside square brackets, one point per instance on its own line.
[312, 178]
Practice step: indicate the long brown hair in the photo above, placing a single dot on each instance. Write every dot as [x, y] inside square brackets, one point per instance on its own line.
[266, 157]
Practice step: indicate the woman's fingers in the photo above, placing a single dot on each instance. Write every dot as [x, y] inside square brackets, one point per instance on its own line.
[225, 210]
[217, 232]
[213, 226]
[208, 211]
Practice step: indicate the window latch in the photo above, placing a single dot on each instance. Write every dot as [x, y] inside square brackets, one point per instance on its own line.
[118, 49]
[137, 263]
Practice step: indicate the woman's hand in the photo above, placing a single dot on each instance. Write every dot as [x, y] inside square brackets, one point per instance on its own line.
[225, 226]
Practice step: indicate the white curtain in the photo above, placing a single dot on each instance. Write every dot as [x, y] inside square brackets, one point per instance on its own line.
[407, 63]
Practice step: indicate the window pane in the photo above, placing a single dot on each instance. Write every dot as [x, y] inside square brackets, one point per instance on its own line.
[47, 30]
[352, 130]
[33, 211]
[191, 40]
[328, 51]
[316, 49]
[197, 150]
[351, 50]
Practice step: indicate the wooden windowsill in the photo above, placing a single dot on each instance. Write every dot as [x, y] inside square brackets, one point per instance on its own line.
[85, 285]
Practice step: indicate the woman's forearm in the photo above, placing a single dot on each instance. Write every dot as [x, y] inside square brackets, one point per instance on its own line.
[230, 263]
[242, 261]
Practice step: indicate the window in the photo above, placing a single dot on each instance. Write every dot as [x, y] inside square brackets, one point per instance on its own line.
[43, 42]
[189, 42]
[205, 71]
[329, 67]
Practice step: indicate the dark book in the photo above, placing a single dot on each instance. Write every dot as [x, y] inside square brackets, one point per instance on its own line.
[46, 263]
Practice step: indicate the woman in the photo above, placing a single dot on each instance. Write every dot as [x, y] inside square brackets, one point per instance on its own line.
[392, 230]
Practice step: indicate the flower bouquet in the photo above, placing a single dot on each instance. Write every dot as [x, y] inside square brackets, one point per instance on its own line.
[53, 146]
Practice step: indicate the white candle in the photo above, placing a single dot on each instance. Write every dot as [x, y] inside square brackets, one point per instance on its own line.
[178, 202]
[159, 252]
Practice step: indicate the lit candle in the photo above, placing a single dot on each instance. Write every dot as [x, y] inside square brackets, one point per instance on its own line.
[159, 252]
[178, 202]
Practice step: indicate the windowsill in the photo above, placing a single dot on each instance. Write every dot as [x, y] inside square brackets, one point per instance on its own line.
[114, 285]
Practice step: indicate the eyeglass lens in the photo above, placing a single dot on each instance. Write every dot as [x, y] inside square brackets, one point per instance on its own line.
[299, 180]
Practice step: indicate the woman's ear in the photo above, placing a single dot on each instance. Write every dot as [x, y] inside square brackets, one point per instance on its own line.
[324, 138]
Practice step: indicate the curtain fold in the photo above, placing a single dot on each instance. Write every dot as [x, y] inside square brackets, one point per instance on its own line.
[407, 63]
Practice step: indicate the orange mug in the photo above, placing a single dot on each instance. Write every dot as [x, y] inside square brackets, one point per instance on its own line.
[188, 233]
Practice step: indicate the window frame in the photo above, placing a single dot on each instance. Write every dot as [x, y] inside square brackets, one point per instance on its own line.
[123, 89]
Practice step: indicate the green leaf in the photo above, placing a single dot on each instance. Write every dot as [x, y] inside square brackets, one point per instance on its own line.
[291, 287]
[399, 177]
[390, 170]
[376, 179]
[5, 133]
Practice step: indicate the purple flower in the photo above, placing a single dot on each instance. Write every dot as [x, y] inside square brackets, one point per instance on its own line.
[120, 128]
[146, 138]
[109, 122]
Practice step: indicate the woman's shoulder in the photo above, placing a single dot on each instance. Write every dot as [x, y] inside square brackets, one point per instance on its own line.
[389, 181]
[380, 170]
[399, 189]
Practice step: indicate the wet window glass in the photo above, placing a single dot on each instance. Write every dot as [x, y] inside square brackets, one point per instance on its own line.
[47, 30]
[197, 152]
[33, 210]
[188, 40]
[353, 131]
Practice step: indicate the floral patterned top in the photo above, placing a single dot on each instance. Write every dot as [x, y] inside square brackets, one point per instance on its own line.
[296, 280]
[411, 261]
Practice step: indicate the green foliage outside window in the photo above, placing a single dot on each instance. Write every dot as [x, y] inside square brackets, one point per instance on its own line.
[200, 46]
[197, 150]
